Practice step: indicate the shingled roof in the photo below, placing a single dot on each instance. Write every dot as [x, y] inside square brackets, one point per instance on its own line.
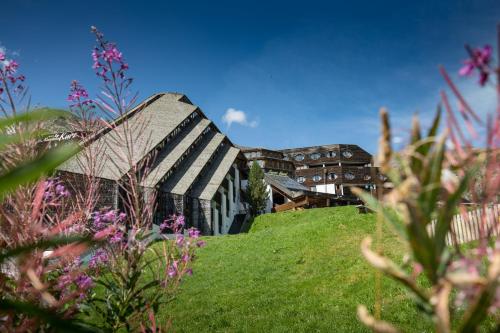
[184, 158]
[286, 185]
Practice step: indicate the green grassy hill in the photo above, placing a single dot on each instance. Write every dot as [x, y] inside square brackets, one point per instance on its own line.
[293, 272]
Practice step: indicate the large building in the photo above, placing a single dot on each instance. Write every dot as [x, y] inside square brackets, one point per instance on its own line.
[269, 160]
[183, 159]
[331, 169]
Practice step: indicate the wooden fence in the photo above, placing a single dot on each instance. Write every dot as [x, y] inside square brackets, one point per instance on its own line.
[471, 227]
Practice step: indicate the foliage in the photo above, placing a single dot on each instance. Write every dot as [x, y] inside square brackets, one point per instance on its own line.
[434, 172]
[126, 300]
[32, 220]
[48, 224]
[257, 192]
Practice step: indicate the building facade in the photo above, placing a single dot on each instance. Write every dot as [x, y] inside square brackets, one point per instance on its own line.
[331, 169]
[269, 160]
[182, 159]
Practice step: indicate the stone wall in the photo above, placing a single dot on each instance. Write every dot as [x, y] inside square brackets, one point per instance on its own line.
[78, 183]
[201, 215]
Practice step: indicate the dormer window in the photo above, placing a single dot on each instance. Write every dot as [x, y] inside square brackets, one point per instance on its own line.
[316, 178]
[299, 157]
[301, 179]
[332, 176]
[349, 176]
[347, 154]
[315, 156]
[331, 154]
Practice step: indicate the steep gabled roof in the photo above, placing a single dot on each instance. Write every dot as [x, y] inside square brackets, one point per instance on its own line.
[167, 159]
[183, 179]
[207, 186]
[148, 124]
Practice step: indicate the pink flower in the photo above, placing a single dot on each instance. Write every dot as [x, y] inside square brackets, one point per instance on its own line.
[194, 233]
[467, 69]
[179, 240]
[201, 243]
[84, 281]
[2, 56]
[11, 66]
[100, 257]
[480, 60]
[116, 238]
[173, 269]
[63, 281]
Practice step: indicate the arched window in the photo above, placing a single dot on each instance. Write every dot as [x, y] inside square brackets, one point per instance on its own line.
[349, 176]
[332, 176]
[299, 157]
[347, 154]
[316, 178]
[301, 179]
[315, 156]
[331, 154]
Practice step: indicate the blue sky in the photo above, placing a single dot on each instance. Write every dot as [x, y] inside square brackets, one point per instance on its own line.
[303, 73]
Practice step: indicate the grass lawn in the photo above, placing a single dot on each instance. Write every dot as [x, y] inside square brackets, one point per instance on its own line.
[294, 271]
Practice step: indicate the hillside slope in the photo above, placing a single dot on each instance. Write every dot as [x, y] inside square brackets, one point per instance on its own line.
[293, 272]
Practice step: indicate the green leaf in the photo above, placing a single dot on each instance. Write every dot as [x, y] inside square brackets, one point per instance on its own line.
[32, 170]
[33, 116]
[43, 244]
[55, 321]
[390, 215]
[446, 213]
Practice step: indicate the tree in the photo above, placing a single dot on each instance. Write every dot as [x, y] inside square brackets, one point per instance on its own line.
[256, 190]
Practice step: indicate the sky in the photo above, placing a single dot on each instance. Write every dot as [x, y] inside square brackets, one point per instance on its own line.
[275, 74]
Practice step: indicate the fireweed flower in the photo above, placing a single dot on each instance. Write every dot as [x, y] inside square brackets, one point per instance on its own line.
[179, 240]
[193, 233]
[8, 79]
[173, 269]
[64, 281]
[480, 59]
[100, 257]
[54, 191]
[116, 238]
[107, 59]
[84, 282]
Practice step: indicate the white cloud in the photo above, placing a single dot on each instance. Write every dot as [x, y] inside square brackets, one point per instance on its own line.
[397, 139]
[239, 117]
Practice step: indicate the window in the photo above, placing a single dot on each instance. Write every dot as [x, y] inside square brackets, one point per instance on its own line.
[301, 179]
[315, 156]
[316, 178]
[349, 176]
[299, 157]
[332, 176]
[347, 154]
[331, 154]
[367, 177]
